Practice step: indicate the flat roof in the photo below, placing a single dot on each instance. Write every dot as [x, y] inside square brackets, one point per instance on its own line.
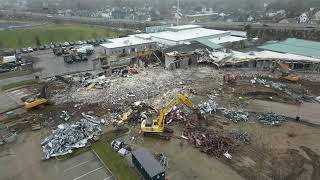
[183, 27]
[148, 162]
[226, 39]
[188, 34]
[271, 55]
[125, 41]
[294, 46]
[210, 44]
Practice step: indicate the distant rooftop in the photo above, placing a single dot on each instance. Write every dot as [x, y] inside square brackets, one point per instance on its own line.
[226, 39]
[212, 45]
[125, 41]
[188, 34]
[183, 27]
[294, 46]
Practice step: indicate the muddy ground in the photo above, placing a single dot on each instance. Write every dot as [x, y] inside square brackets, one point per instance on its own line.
[288, 152]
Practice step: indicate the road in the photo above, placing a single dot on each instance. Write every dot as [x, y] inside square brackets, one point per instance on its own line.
[16, 79]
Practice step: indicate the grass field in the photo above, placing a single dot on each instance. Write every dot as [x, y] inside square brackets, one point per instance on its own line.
[52, 33]
[18, 84]
[118, 166]
[15, 74]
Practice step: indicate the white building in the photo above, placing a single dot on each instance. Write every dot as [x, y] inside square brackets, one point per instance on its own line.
[174, 35]
[181, 34]
[127, 45]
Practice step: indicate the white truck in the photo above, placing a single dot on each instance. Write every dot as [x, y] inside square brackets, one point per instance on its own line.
[7, 59]
[86, 49]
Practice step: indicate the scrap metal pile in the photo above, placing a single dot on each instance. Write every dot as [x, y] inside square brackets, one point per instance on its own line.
[270, 119]
[214, 143]
[236, 116]
[208, 106]
[68, 137]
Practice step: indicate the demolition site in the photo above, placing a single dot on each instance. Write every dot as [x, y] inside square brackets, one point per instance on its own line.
[185, 102]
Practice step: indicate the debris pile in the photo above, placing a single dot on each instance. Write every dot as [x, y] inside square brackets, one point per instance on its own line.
[208, 106]
[64, 115]
[69, 136]
[270, 119]
[210, 142]
[238, 137]
[236, 116]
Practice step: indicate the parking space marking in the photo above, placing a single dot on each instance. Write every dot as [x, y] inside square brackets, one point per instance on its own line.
[107, 178]
[83, 175]
[68, 169]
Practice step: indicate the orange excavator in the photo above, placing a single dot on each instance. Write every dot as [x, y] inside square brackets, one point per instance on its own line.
[285, 70]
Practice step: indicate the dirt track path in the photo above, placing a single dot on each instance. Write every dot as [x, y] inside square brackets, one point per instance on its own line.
[309, 112]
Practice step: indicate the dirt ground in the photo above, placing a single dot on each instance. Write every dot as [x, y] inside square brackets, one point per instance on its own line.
[288, 152]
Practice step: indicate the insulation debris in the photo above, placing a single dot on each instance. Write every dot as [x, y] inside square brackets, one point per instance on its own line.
[208, 106]
[68, 137]
[236, 116]
[270, 119]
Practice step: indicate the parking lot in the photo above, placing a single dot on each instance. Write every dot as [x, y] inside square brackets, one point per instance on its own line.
[83, 167]
[51, 65]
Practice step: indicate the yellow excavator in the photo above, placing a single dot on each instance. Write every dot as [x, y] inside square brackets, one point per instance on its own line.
[286, 74]
[37, 100]
[42, 98]
[156, 128]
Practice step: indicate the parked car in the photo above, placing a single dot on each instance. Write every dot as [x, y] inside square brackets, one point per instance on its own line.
[79, 43]
[35, 49]
[41, 48]
[3, 70]
[30, 49]
[66, 44]
[24, 50]
[72, 43]
[46, 46]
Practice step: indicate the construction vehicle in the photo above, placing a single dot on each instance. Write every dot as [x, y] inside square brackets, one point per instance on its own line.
[74, 56]
[286, 74]
[156, 128]
[41, 99]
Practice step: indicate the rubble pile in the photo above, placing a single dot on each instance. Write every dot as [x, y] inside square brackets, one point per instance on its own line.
[270, 119]
[238, 137]
[68, 137]
[236, 116]
[140, 87]
[277, 87]
[208, 106]
[210, 142]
